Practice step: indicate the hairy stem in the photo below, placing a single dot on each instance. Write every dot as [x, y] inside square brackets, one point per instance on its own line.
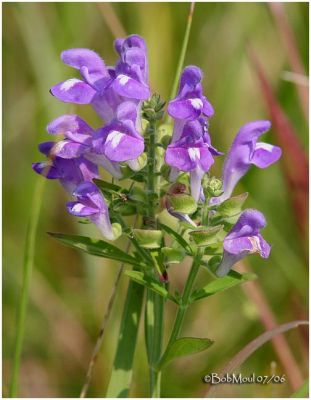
[154, 303]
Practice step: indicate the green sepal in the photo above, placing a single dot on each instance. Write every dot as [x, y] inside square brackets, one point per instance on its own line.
[96, 247]
[205, 237]
[172, 255]
[232, 206]
[214, 249]
[137, 194]
[221, 284]
[165, 130]
[150, 283]
[184, 347]
[183, 203]
[148, 238]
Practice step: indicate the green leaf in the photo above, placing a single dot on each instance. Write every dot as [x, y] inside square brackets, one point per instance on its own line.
[232, 206]
[150, 283]
[96, 247]
[205, 237]
[178, 238]
[122, 370]
[172, 256]
[108, 187]
[183, 203]
[221, 284]
[184, 347]
[148, 238]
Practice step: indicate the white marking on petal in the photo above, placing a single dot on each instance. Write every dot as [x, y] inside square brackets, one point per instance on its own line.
[77, 207]
[67, 85]
[255, 243]
[58, 147]
[265, 146]
[123, 79]
[196, 103]
[194, 153]
[114, 138]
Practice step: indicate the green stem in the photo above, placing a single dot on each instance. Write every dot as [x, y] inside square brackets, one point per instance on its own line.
[185, 300]
[151, 132]
[154, 303]
[27, 270]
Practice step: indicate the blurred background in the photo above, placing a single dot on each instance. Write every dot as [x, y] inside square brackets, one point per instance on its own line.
[255, 61]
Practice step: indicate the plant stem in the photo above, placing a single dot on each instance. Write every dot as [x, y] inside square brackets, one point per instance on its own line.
[27, 270]
[185, 299]
[154, 303]
[151, 132]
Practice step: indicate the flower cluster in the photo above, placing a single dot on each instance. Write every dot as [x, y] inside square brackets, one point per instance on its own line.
[190, 149]
[116, 94]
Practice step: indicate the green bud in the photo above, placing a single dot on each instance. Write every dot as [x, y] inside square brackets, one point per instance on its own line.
[214, 187]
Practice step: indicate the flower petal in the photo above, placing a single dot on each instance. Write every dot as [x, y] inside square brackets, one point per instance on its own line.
[67, 149]
[206, 158]
[46, 147]
[126, 86]
[185, 109]
[46, 169]
[78, 58]
[80, 210]
[178, 157]
[73, 91]
[265, 154]
[121, 147]
[73, 127]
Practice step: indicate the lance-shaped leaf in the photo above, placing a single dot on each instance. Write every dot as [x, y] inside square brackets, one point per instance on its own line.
[148, 238]
[178, 238]
[150, 283]
[184, 347]
[232, 206]
[205, 237]
[96, 247]
[221, 284]
[172, 255]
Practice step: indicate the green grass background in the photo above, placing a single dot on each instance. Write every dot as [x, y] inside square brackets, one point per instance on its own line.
[69, 291]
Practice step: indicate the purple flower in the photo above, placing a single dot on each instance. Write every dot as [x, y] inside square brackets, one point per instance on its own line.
[70, 172]
[78, 141]
[190, 103]
[91, 203]
[245, 152]
[105, 88]
[119, 141]
[192, 153]
[243, 239]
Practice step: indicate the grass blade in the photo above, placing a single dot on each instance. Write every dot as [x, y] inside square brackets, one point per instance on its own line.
[29, 253]
[251, 347]
[121, 375]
